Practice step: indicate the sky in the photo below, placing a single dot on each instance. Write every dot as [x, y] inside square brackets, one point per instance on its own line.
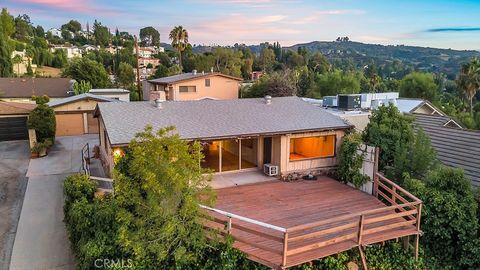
[430, 23]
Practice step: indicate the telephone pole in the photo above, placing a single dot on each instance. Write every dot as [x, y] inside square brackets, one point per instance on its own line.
[138, 72]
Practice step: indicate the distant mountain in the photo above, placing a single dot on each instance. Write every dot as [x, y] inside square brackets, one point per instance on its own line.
[360, 54]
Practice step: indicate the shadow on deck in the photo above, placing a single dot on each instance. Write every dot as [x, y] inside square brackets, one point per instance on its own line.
[281, 224]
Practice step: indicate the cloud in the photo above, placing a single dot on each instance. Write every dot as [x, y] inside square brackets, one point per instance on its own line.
[454, 29]
[341, 12]
[74, 6]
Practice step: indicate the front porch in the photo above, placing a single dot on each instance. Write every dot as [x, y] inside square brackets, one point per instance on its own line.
[284, 224]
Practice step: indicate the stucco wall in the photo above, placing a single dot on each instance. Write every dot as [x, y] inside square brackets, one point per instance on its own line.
[220, 88]
[81, 105]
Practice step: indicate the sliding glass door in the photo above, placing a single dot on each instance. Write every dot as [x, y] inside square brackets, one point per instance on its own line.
[230, 155]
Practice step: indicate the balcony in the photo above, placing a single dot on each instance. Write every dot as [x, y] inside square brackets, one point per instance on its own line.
[284, 224]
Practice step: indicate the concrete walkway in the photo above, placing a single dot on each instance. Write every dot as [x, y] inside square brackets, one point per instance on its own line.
[41, 241]
[239, 178]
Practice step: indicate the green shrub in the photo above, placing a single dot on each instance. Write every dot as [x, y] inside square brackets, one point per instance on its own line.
[449, 218]
[350, 161]
[42, 119]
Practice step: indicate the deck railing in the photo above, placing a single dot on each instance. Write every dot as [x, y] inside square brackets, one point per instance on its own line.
[403, 210]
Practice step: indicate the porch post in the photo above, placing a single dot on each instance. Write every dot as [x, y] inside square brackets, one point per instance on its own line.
[220, 156]
[239, 154]
[285, 250]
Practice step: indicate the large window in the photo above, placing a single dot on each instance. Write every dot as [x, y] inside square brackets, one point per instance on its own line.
[188, 89]
[312, 147]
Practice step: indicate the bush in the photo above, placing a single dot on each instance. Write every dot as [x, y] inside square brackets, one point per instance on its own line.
[449, 218]
[42, 119]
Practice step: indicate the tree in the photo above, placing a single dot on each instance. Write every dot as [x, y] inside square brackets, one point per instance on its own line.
[72, 26]
[419, 85]
[6, 67]
[101, 34]
[66, 34]
[179, 37]
[159, 200]
[17, 60]
[23, 28]
[42, 119]
[267, 59]
[468, 80]
[277, 84]
[388, 129]
[318, 63]
[449, 218]
[87, 70]
[81, 87]
[337, 82]
[7, 24]
[125, 75]
[149, 36]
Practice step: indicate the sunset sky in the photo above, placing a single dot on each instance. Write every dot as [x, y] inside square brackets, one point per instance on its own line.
[444, 24]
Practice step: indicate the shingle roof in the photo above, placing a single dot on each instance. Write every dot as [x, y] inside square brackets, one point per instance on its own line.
[189, 76]
[10, 108]
[27, 87]
[455, 147]
[71, 99]
[209, 119]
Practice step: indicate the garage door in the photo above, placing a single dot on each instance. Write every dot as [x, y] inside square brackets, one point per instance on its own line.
[69, 124]
[92, 123]
[13, 128]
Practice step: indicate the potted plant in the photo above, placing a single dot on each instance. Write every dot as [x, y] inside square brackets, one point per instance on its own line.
[42, 149]
[35, 150]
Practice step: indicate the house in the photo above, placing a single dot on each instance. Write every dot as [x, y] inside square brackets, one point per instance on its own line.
[21, 67]
[113, 93]
[70, 51]
[148, 52]
[13, 120]
[22, 89]
[417, 105]
[455, 146]
[276, 223]
[256, 75]
[144, 61]
[88, 48]
[192, 86]
[55, 32]
[74, 115]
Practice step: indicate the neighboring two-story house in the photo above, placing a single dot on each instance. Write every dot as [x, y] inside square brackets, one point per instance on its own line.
[192, 86]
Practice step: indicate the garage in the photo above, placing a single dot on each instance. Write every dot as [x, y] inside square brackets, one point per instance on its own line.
[69, 124]
[74, 114]
[13, 128]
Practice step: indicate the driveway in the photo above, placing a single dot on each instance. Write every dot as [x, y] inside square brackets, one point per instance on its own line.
[41, 241]
[14, 159]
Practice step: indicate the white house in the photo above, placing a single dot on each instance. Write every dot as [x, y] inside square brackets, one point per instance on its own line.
[113, 93]
[55, 32]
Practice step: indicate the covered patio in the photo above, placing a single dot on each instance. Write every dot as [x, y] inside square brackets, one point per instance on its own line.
[283, 224]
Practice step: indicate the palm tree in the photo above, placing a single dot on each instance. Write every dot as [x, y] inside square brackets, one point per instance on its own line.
[468, 80]
[179, 37]
[17, 60]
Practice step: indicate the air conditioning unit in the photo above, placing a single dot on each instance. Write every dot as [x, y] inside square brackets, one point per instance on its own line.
[270, 169]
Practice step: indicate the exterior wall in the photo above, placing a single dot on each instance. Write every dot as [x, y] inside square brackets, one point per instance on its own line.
[69, 124]
[425, 109]
[120, 96]
[106, 155]
[220, 88]
[24, 100]
[81, 105]
[360, 121]
[76, 118]
[287, 166]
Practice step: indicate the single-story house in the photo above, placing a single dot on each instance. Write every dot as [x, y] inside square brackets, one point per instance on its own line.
[113, 93]
[455, 146]
[74, 115]
[22, 89]
[417, 106]
[237, 134]
[13, 120]
[192, 86]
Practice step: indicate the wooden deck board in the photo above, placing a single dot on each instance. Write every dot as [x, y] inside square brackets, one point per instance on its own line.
[289, 204]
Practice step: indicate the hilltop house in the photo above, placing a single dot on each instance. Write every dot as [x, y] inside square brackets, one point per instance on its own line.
[279, 224]
[192, 86]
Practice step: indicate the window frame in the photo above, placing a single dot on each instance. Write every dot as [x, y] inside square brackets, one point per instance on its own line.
[311, 158]
[188, 88]
[209, 82]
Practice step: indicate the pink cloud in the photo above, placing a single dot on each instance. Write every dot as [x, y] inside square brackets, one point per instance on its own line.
[74, 6]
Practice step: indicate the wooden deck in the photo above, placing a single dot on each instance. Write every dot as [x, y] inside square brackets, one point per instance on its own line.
[283, 224]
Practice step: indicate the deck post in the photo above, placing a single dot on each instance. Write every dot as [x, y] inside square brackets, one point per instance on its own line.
[285, 250]
[360, 229]
[417, 237]
[362, 256]
[229, 225]
[375, 171]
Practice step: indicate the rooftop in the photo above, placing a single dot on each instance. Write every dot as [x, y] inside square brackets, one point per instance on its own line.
[12, 108]
[217, 119]
[189, 76]
[455, 147]
[109, 90]
[83, 96]
[28, 87]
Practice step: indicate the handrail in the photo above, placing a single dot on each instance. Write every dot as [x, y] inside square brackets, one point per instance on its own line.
[249, 220]
[343, 217]
[397, 187]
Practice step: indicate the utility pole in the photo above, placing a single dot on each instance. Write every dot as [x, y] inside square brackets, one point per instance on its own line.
[138, 71]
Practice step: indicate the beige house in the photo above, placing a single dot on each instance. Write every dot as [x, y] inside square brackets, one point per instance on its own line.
[285, 134]
[192, 86]
[74, 115]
